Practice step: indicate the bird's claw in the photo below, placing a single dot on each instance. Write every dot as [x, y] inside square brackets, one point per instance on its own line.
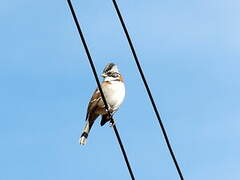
[112, 123]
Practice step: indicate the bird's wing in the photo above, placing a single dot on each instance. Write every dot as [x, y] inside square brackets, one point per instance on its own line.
[96, 97]
[93, 102]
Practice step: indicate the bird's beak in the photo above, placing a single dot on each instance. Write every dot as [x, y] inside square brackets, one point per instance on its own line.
[104, 75]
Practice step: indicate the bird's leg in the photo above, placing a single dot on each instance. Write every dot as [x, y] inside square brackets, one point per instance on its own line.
[108, 108]
[112, 121]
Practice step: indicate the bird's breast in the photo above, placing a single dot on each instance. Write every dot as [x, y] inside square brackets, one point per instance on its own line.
[114, 93]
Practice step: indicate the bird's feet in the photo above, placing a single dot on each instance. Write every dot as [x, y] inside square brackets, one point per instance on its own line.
[112, 123]
[109, 109]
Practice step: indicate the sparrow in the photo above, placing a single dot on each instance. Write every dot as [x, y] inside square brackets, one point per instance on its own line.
[114, 92]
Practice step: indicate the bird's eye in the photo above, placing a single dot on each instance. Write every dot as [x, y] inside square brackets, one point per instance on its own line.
[115, 75]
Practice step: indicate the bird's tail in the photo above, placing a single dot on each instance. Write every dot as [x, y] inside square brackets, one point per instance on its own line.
[86, 130]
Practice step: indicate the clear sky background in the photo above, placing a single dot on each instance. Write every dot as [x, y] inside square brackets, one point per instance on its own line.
[190, 54]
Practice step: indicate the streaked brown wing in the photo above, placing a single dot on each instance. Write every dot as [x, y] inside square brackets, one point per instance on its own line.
[93, 102]
[96, 97]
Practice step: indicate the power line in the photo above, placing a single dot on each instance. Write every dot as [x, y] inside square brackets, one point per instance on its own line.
[99, 87]
[148, 89]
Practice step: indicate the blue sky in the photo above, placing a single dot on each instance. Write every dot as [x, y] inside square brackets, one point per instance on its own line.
[190, 54]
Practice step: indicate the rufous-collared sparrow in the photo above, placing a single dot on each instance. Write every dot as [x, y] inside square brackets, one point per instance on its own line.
[114, 92]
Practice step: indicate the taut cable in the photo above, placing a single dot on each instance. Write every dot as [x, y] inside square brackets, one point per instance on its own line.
[99, 87]
[148, 89]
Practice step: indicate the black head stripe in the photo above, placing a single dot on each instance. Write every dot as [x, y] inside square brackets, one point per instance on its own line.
[108, 67]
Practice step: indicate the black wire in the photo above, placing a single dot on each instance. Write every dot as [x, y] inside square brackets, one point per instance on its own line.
[99, 87]
[148, 89]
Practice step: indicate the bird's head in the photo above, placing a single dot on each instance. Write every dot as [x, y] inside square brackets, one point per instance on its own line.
[111, 72]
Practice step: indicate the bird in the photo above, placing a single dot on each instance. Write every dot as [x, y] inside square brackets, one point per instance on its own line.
[114, 92]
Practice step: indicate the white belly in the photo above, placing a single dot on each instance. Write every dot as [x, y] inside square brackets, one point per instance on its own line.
[114, 94]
